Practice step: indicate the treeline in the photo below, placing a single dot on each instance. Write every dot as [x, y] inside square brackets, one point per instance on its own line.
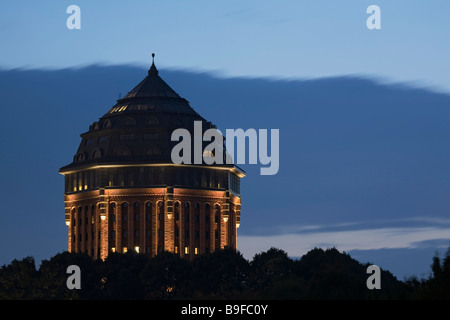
[223, 274]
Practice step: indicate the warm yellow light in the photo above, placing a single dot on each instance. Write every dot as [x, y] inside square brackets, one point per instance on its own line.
[238, 224]
[67, 223]
[186, 250]
[196, 250]
[103, 217]
[113, 249]
[136, 249]
[85, 187]
[125, 249]
[234, 169]
[225, 219]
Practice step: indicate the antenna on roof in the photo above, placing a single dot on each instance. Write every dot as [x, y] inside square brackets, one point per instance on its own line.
[153, 58]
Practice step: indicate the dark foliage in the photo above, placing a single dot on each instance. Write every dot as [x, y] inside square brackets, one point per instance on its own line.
[437, 285]
[223, 274]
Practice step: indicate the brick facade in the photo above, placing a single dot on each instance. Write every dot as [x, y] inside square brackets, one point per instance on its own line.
[148, 220]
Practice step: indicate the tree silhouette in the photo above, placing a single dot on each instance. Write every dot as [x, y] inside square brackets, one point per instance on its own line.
[223, 274]
[18, 280]
[166, 276]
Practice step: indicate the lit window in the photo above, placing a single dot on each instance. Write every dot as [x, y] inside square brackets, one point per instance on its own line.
[125, 249]
[196, 250]
[113, 249]
[186, 250]
[122, 108]
[136, 249]
[176, 249]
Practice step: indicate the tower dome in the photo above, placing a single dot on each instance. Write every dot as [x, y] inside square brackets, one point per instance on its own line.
[138, 127]
[122, 190]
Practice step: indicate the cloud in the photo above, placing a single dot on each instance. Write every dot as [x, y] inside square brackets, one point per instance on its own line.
[298, 243]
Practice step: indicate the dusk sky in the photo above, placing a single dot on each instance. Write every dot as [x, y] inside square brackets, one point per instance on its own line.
[363, 114]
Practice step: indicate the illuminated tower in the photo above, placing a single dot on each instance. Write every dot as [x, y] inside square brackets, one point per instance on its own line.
[123, 192]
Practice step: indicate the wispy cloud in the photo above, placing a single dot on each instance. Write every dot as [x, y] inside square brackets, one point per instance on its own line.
[347, 236]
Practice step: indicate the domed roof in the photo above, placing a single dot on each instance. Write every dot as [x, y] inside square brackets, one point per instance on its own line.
[138, 128]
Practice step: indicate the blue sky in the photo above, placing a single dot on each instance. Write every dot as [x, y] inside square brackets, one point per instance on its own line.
[254, 38]
[276, 40]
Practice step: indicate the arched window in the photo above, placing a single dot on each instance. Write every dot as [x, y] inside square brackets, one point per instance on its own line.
[217, 213]
[152, 121]
[80, 218]
[97, 153]
[148, 211]
[86, 212]
[217, 228]
[112, 214]
[107, 124]
[153, 151]
[74, 219]
[137, 211]
[197, 213]
[160, 225]
[129, 122]
[207, 212]
[122, 151]
[95, 126]
[80, 157]
[177, 211]
[160, 207]
[124, 211]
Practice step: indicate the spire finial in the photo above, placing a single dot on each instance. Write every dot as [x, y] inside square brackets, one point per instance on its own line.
[153, 70]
